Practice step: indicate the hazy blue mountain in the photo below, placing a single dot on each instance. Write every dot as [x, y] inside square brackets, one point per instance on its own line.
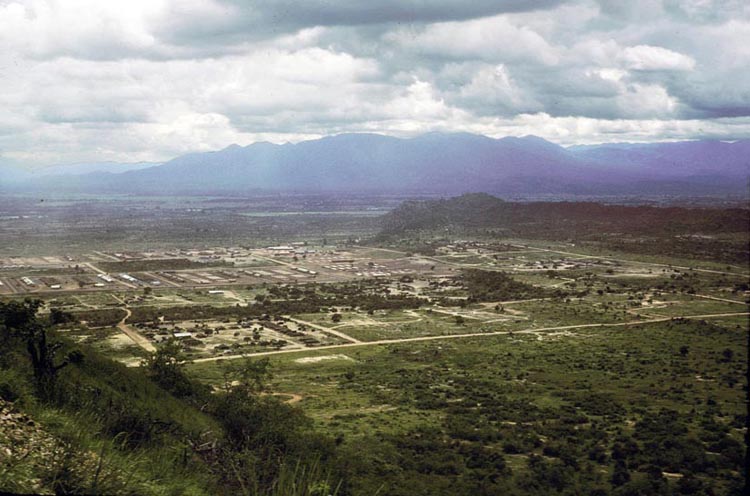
[11, 176]
[80, 176]
[437, 163]
[679, 159]
[367, 162]
[90, 167]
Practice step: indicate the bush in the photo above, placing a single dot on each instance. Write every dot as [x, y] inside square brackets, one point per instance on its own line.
[16, 386]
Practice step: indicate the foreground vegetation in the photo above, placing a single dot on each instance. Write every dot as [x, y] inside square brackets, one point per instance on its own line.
[80, 423]
[654, 409]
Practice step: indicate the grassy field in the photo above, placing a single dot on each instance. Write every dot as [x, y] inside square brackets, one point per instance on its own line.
[517, 395]
[397, 324]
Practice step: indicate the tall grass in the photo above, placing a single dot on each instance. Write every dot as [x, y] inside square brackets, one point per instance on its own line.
[302, 480]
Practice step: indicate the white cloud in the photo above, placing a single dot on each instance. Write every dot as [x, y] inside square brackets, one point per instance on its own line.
[494, 39]
[646, 100]
[608, 74]
[654, 58]
[493, 87]
[419, 103]
[88, 28]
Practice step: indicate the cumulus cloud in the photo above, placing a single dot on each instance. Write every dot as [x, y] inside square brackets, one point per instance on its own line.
[493, 90]
[79, 28]
[654, 58]
[494, 39]
[151, 79]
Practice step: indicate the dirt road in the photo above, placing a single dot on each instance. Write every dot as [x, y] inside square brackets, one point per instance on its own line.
[137, 338]
[328, 330]
[720, 299]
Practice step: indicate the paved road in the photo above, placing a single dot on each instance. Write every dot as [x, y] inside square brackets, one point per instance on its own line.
[100, 271]
[470, 335]
[278, 262]
[109, 257]
[166, 281]
[94, 268]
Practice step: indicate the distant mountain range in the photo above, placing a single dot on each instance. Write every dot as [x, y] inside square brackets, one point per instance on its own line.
[15, 176]
[92, 167]
[433, 163]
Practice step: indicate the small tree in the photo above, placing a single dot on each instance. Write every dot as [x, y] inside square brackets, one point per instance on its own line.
[20, 322]
[621, 474]
[727, 355]
[247, 374]
[166, 366]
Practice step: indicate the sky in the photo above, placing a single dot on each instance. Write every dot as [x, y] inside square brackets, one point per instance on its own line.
[148, 80]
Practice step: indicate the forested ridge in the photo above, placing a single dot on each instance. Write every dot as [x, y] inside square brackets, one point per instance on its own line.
[703, 233]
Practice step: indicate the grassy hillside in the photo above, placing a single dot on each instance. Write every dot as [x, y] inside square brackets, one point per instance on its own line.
[75, 422]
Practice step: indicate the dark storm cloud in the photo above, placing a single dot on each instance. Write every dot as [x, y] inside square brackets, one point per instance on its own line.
[355, 12]
[253, 19]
